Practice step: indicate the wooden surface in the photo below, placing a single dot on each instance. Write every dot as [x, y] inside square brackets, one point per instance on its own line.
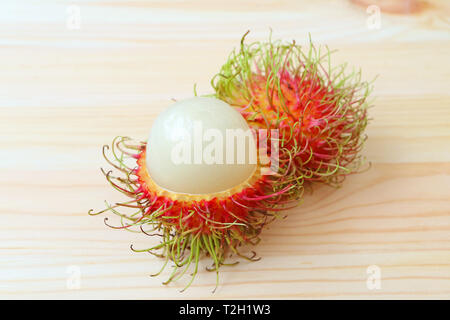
[64, 92]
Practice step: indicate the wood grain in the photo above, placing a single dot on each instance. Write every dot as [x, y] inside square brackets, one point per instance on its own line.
[64, 93]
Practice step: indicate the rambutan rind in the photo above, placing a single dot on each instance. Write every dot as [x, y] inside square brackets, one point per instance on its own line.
[191, 226]
[320, 110]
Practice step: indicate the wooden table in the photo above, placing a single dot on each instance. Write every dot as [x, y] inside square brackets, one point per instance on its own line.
[67, 88]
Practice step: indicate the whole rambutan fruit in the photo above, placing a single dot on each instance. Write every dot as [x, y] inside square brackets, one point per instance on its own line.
[197, 208]
[319, 110]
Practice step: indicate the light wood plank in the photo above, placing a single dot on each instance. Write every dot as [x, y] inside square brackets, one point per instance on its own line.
[64, 93]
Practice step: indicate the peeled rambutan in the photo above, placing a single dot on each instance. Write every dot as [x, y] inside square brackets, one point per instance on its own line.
[198, 209]
[319, 110]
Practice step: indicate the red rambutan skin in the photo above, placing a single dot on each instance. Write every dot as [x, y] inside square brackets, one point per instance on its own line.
[211, 224]
[313, 125]
[214, 212]
[320, 112]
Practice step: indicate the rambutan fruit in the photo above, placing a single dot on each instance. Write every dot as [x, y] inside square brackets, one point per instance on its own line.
[319, 110]
[183, 189]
